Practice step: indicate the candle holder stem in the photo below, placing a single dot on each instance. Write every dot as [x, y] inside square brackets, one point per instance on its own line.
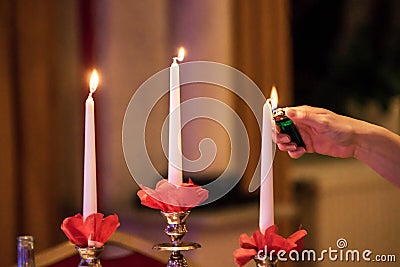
[265, 261]
[176, 229]
[90, 256]
[176, 259]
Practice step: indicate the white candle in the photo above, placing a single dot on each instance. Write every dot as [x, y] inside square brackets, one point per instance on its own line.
[89, 179]
[267, 187]
[175, 139]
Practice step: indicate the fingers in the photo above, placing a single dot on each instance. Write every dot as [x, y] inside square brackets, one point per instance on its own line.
[282, 138]
[287, 147]
[300, 151]
[284, 144]
[292, 149]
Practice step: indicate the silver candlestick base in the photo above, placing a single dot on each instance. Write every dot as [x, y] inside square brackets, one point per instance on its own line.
[265, 261]
[176, 229]
[90, 256]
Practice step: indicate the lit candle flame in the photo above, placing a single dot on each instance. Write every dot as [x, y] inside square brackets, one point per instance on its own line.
[94, 81]
[181, 54]
[274, 98]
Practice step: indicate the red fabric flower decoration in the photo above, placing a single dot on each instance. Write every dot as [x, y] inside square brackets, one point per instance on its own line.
[94, 231]
[172, 198]
[250, 246]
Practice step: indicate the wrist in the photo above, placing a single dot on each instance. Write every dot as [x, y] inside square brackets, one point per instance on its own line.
[365, 136]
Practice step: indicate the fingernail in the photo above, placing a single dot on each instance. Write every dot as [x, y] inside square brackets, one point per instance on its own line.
[290, 112]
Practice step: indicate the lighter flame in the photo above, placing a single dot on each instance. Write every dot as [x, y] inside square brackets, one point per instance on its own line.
[274, 98]
[94, 81]
[181, 54]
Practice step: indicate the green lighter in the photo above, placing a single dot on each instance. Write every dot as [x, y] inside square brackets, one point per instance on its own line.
[287, 126]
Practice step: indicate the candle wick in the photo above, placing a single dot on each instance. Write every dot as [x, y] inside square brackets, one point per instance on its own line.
[269, 102]
[91, 91]
[175, 59]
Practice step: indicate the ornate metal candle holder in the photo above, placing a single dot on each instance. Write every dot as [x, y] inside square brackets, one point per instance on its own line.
[90, 256]
[176, 229]
[265, 261]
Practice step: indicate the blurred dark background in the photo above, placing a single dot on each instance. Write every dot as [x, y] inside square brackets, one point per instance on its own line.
[345, 50]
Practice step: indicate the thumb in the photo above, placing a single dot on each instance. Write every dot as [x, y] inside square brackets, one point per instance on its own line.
[304, 115]
[291, 113]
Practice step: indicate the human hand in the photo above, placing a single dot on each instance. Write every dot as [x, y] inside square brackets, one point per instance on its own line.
[323, 132]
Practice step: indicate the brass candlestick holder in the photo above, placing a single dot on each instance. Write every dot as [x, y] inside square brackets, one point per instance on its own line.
[90, 256]
[265, 261]
[176, 229]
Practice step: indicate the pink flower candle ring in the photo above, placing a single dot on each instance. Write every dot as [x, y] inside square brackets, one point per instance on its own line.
[168, 197]
[263, 248]
[94, 231]
[89, 235]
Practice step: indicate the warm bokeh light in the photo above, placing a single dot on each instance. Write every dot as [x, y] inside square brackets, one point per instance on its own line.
[181, 54]
[274, 98]
[94, 81]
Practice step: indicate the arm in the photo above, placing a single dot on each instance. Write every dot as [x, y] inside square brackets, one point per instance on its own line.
[379, 148]
[328, 133]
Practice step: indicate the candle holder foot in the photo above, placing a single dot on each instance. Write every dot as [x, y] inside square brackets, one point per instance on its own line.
[90, 256]
[176, 229]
